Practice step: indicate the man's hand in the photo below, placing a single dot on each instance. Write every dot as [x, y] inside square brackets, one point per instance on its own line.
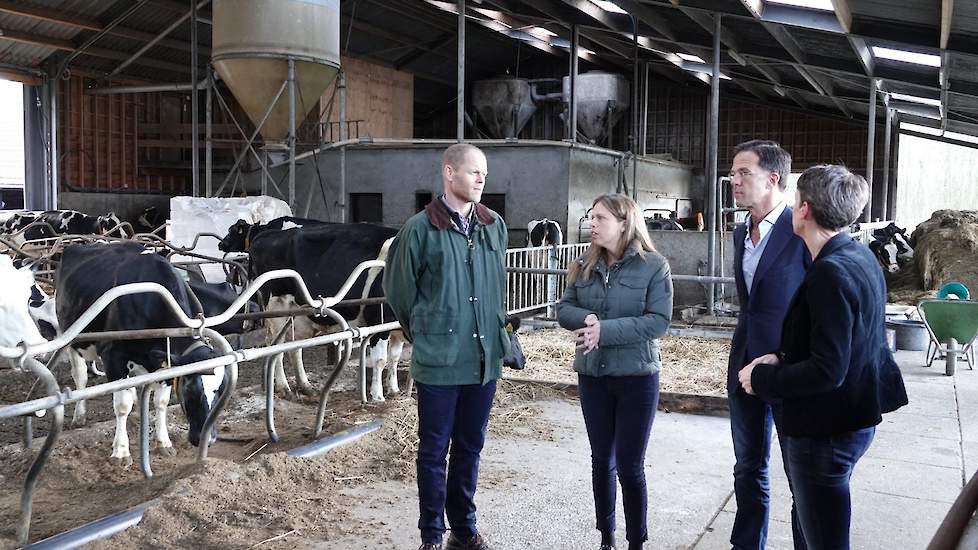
[744, 375]
[587, 338]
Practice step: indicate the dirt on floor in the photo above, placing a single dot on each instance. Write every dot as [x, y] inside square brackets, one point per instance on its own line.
[248, 492]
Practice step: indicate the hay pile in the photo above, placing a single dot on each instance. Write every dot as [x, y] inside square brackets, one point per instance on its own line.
[946, 249]
[690, 365]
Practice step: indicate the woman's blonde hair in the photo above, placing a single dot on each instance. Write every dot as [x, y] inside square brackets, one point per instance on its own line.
[635, 235]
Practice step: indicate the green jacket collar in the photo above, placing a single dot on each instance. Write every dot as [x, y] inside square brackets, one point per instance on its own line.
[440, 217]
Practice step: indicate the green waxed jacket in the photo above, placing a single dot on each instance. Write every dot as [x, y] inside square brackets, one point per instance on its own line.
[633, 302]
[448, 292]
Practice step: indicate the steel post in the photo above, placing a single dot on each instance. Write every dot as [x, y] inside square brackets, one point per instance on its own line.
[209, 137]
[341, 84]
[460, 94]
[572, 114]
[712, 136]
[194, 115]
[292, 135]
[870, 150]
[885, 188]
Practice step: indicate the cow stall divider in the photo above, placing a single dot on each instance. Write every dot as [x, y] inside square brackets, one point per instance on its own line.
[23, 357]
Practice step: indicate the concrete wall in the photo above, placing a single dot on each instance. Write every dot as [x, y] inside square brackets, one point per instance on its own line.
[687, 252]
[932, 176]
[539, 180]
[128, 206]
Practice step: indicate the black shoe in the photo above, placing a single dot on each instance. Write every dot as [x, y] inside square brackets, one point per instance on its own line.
[429, 546]
[475, 542]
[606, 547]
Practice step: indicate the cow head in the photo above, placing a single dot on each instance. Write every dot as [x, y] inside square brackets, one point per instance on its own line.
[16, 325]
[198, 392]
[109, 225]
[149, 220]
[543, 232]
[237, 238]
[886, 253]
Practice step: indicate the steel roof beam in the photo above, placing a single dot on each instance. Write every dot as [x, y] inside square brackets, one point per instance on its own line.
[947, 8]
[84, 23]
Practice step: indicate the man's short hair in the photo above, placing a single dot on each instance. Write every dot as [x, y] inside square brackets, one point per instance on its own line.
[835, 195]
[771, 157]
[455, 154]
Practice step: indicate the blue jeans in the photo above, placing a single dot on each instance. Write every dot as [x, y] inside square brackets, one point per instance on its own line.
[752, 421]
[820, 472]
[618, 413]
[452, 417]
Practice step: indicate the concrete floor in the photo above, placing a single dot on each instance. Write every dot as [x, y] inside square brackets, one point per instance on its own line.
[538, 494]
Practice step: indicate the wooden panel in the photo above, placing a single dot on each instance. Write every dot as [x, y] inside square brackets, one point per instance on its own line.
[99, 145]
[380, 97]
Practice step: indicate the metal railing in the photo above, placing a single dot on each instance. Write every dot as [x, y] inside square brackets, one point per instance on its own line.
[23, 357]
[536, 277]
[528, 288]
[864, 231]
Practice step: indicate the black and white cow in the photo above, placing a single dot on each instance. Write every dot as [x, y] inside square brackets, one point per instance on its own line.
[89, 271]
[150, 220]
[241, 234]
[17, 221]
[16, 324]
[324, 255]
[72, 222]
[892, 247]
[544, 232]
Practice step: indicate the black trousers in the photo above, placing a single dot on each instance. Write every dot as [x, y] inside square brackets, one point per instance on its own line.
[618, 414]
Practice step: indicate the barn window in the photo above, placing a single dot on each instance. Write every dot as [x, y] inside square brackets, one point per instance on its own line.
[497, 202]
[421, 199]
[367, 207]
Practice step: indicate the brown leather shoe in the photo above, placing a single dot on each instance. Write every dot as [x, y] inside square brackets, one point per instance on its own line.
[475, 542]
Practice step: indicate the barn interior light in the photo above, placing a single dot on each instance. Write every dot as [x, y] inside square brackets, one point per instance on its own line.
[690, 57]
[606, 5]
[541, 32]
[810, 4]
[920, 129]
[907, 56]
[961, 137]
[915, 99]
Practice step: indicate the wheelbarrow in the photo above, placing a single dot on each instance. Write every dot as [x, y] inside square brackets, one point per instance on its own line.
[953, 326]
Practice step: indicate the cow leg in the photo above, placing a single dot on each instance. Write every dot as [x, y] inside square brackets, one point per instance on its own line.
[302, 328]
[273, 327]
[394, 349]
[376, 358]
[122, 403]
[79, 373]
[161, 395]
[302, 385]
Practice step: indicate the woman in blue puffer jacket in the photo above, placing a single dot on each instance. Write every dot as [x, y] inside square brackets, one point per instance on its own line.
[618, 302]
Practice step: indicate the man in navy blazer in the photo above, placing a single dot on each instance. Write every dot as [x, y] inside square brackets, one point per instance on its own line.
[769, 266]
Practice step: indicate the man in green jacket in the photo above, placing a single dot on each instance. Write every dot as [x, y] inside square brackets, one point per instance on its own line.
[445, 281]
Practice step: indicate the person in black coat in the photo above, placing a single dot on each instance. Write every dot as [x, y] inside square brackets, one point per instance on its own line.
[834, 373]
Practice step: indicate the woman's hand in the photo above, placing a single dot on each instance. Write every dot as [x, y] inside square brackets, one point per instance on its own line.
[587, 338]
[744, 375]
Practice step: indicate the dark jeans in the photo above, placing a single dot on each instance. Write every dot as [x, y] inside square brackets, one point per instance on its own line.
[752, 421]
[820, 473]
[618, 414]
[455, 417]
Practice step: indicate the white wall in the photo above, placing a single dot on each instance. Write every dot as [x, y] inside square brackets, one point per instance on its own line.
[11, 134]
[932, 176]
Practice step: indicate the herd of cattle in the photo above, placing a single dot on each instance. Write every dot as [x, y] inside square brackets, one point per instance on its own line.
[323, 254]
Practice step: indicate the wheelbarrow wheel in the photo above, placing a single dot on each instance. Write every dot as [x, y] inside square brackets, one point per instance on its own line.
[952, 357]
